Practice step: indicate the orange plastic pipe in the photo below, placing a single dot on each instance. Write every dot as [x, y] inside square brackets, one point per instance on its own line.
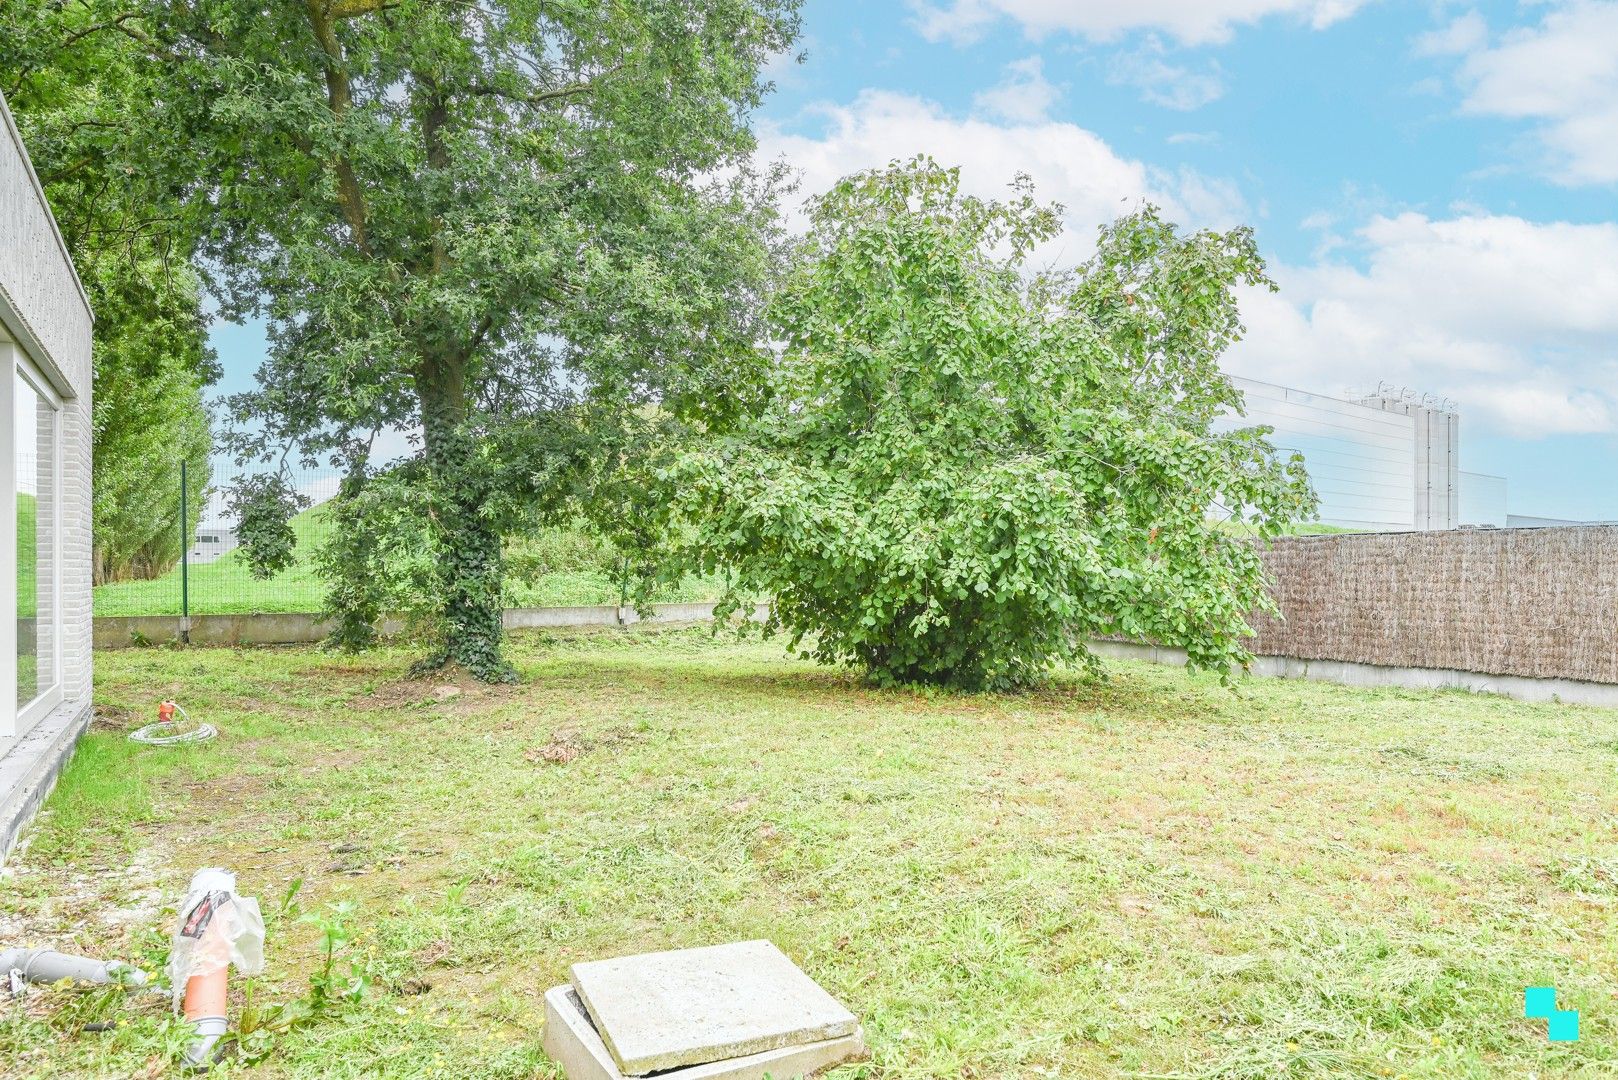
[205, 997]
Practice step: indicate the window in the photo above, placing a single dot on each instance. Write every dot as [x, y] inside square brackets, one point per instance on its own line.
[35, 475]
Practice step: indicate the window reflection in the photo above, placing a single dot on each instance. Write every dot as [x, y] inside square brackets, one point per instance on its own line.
[34, 427]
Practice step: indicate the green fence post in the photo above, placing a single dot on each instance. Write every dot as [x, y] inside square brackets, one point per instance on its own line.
[185, 563]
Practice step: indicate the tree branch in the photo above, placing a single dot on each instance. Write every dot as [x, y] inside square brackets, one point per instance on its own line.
[353, 9]
[479, 334]
[435, 118]
[543, 96]
[340, 97]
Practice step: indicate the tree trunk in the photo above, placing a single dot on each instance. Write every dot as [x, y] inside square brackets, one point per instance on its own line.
[469, 555]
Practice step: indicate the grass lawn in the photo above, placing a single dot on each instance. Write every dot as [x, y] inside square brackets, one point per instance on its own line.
[1148, 877]
[27, 647]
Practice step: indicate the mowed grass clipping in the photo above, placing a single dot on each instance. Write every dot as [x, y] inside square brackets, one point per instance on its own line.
[1151, 876]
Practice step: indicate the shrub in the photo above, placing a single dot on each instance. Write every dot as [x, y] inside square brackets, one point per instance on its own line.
[967, 469]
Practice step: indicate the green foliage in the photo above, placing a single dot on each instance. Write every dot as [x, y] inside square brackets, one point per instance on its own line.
[966, 468]
[73, 82]
[496, 225]
[151, 364]
[263, 506]
[376, 559]
[533, 556]
[331, 985]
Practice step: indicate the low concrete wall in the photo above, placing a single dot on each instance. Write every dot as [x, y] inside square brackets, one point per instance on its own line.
[293, 628]
[267, 628]
[1570, 691]
[611, 615]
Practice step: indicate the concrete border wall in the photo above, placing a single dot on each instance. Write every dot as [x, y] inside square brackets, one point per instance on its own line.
[1569, 691]
[1530, 613]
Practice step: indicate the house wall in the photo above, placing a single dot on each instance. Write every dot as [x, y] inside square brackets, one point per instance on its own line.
[45, 315]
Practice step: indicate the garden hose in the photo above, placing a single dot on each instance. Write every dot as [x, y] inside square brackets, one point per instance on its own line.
[171, 732]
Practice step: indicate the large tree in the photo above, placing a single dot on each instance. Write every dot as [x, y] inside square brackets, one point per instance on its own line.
[152, 362]
[72, 83]
[966, 469]
[497, 226]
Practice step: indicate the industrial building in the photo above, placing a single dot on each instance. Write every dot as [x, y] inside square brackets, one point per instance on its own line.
[1383, 462]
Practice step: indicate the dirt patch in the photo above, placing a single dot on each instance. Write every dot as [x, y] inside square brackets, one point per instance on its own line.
[97, 910]
[433, 952]
[564, 746]
[117, 718]
[451, 688]
[323, 671]
[568, 744]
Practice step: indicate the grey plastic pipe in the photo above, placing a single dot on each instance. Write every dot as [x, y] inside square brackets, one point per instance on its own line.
[48, 966]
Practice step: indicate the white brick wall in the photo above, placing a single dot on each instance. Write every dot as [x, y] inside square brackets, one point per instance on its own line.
[44, 310]
[76, 544]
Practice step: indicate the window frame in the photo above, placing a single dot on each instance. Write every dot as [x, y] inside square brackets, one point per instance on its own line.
[16, 720]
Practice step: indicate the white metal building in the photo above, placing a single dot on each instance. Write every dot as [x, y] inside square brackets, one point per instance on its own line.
[1483, 500]
[1362, 459]
[210, 542]
[45, 447]
[1384, 462]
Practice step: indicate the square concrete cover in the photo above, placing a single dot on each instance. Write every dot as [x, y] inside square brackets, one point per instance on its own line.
[691, 1006]
[572, 1042]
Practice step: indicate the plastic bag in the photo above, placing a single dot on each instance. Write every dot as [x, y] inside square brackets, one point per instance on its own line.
[216, 927]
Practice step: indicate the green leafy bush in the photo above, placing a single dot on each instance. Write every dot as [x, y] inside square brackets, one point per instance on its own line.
[966, 469]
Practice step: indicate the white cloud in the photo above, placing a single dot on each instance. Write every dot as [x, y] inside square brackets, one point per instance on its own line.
[1160, 82]
[1465, 34]
[1068, 164]
[1563, 73]
[1023, 96]
[1192, 22]
[785, 68]
[1515, 319]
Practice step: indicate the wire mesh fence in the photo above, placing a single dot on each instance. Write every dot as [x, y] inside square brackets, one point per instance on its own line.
[553, 567]
[213, 576]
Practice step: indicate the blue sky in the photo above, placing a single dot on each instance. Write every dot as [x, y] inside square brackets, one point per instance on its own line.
[1435, 184]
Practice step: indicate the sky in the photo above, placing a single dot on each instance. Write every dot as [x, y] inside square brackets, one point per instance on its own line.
[1434, 184]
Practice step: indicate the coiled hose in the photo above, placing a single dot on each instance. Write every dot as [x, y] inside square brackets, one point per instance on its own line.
[170, 732]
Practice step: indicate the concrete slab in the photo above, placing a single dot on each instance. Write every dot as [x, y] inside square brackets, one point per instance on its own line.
[30, 764]
[692, 1006]
[572, 1042]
